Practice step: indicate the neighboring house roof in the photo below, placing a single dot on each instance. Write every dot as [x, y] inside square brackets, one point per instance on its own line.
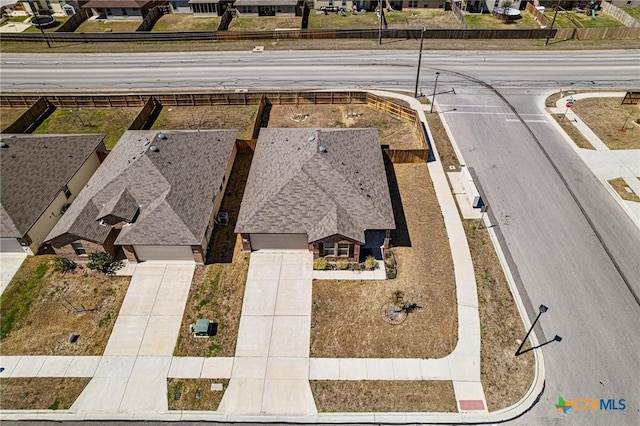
[171, 192]
[265, 3]
[119, 4]
[319, 182]
[33, 171]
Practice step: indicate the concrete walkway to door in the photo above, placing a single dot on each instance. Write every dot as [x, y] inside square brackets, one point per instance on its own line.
[270, 372]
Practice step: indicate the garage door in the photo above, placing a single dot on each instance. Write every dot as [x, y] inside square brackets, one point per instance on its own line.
[10, 245]
[279, 241]
[163, 252]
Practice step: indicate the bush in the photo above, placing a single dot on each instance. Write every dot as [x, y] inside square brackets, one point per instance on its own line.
[62, 264]
[99, 261]
[370, 263]
[342, 264]
[320, 264]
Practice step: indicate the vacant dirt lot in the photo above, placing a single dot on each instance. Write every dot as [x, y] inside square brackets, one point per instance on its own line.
[186, 22]
[240, 118]
[346, 320]
[607, 118]
[40, 393]
[9, 115]
[398, 134]
[40, 309]
[187, 388]
[383, 396]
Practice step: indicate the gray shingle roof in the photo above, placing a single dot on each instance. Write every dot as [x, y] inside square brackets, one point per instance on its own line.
[175, 188]
[33, 170]
[293, 187]
[122, 207]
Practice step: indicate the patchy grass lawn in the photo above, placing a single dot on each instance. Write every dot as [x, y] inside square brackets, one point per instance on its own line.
[186, 22]
[488, 21]
[40, 393]
[59, 19]
[582, 20]
[346, 320]
[111, 121]
[383, 396]
[398, 134]
[240, 118]
[40, 308]
[9, 115]
[505, 377]
[443, 144]
[623, 190]
[217, 290]
[265, 23]
[187, 388]
[108, 26]
[335, 21]
[420, 18]
[634, 12]
[606, 117]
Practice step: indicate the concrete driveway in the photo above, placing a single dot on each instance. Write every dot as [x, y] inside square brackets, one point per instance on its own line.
[9, 265]
[270, 372]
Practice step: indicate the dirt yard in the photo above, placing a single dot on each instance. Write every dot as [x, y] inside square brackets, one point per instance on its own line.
[241, 118]
[186, 22]
[346, 315]
[40, 393]
[398, 134]
[607, 118]
[265, 23]
[443, 145]
[9, 115]
[488, 21]
[108, 26]
[111, 121]
[422, 18]
[40, 309]
[384, 396]
[187, 388]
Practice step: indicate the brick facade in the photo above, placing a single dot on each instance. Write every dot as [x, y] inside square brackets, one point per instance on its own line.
[89, 246]
[318, 247]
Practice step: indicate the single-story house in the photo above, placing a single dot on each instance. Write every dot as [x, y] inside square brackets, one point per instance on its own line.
[156, 196]
[56, 7]
[40, 176]
[323, 190]
[205, 7]
[122, 9]
[269, 7]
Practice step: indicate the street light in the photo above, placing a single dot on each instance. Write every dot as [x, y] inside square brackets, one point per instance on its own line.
[415, 93]
[542, 309]
[435, 86]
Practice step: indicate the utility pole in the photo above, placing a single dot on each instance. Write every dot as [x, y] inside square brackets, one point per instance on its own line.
[552, 22]
[380, 23]
[435, 86]
[35, 17]
[415, 93]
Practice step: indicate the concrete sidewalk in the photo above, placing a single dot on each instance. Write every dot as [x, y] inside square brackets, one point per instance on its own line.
[9, 265]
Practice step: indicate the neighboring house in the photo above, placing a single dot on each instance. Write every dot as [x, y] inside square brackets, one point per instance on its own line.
[122, 9]
[57, 7]
[269, 7]
[204, 7]
[321, 190]
[40, 176]
[156, 195]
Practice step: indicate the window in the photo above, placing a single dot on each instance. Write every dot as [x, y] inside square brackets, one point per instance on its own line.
[77, 247]
[330, 2]
[109, 12]
[329, 249]
[246, 9]
[66, 191]
[124, 12]
[343, 250]
[413, 3]
[344, 3]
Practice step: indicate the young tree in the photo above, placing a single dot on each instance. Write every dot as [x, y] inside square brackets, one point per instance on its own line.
[505, 5]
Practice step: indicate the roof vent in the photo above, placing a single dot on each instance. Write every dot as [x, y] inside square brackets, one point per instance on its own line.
[162, 136]
[4, 145]
[322, 149]
[147, 142]
[154, 148]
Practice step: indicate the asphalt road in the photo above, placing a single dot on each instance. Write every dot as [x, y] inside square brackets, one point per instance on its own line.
[573, 248]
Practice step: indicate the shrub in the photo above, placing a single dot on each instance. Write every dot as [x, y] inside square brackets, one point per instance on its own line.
[320, 264]
[342, 264]
[370, 263]
[99, 261]
[62, 264]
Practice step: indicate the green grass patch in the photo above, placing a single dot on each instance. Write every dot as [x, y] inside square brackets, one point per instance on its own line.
[634, 12]
[111, 121]
[108, 26]
[20, 294]
[60, 20]
[488, 21]
[582, 20]
[186, 22]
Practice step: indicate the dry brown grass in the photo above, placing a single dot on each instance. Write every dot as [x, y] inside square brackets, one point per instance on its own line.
[419, 18]
[398, 134]
[606, 117]
[9, 115]
[622, 189]
[346, 319]
[264, 23]
[384, 396]
[186, 22]
[108, 26]
[443, 144]
[209, 400]
[505, 377]
[571, 130]
[240, 118]
[49, 309]
[40, 393]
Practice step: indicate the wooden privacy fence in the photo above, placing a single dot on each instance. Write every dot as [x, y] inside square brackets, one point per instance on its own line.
[622, 16]
[539, 16]
[150, 20]
[74, 21]
[151, 102]
[458, 13]
[328, 34]
[613, 33]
